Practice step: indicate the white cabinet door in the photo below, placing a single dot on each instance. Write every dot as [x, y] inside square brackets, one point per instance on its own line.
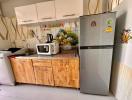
[46, 11]
[26, 14]
[68, 8]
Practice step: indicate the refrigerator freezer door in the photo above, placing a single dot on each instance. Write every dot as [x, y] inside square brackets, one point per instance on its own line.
[97, 29]
[95, 71]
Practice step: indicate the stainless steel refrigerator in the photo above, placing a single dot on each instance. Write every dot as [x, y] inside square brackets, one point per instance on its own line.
[96, 49]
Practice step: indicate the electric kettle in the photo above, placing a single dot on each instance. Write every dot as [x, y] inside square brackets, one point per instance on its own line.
[49, 38]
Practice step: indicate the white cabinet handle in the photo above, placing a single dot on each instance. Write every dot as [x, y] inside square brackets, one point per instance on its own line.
[69, 15]
[27, 21]
[46, 18]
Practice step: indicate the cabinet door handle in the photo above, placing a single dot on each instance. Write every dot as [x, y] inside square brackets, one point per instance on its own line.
[46, 18]
[27, 21]
[69, 15]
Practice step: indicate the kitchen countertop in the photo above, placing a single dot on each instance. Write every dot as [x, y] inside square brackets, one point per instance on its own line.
[57, 56]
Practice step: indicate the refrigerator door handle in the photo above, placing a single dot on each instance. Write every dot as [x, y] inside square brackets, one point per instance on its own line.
[97, 47]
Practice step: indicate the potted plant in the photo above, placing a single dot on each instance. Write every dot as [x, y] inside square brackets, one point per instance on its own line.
[67, 40]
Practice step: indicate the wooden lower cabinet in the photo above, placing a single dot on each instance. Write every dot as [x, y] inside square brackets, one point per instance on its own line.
[66, 72]
[23, 70]
[53, 72]
[44, 75]
[43, 71]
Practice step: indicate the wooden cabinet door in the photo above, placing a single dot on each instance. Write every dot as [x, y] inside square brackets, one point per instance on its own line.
[43, 71]
[68, 8]
[66, 72]
[23, 70]
[26, 14]
[44, 75]
[74, 72]
[46, 11]
[61, 72]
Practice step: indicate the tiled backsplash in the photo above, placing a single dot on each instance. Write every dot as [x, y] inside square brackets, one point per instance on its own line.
[21, 36]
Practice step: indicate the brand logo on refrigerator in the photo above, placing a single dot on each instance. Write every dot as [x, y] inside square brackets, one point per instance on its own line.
[93, 24]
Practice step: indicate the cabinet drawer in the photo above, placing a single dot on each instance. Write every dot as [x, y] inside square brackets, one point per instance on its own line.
[60, 62]
[44, 75]
[41, 62]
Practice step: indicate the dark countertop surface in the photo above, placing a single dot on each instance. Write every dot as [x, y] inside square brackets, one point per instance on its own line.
[57, 56]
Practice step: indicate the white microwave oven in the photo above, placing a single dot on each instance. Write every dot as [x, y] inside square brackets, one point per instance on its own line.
[47, 48]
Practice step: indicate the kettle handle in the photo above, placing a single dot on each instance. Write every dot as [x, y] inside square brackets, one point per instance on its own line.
[52, 37]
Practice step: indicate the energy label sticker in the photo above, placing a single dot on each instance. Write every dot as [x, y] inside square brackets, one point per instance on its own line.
[109, 29]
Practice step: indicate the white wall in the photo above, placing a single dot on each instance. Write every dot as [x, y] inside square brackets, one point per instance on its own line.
[8, 5]
[121, 82]
[128, 56]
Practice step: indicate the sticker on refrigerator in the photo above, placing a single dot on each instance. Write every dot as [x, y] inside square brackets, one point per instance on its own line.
[93, 24]
[109, 21]
[109, 29]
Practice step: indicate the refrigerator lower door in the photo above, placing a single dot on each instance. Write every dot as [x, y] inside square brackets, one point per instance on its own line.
[95, 70]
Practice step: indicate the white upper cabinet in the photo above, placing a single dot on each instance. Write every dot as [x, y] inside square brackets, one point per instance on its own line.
[46, 11]
[26, 14]
[57, 10]
[68, 8]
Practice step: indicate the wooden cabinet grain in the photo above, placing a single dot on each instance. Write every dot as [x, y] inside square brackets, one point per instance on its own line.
[41, 62]
[66, 72]
[43, 72]
[62, 72]
[23, 70]
[44, 75]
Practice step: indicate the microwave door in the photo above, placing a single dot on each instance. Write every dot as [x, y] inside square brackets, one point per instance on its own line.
[43, 49]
